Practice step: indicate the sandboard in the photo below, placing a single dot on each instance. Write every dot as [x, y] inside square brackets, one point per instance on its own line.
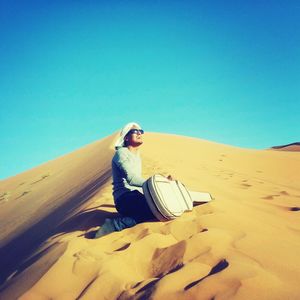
[200, 197]
[168, 199]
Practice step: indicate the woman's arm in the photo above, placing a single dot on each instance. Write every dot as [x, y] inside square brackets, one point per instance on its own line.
[129, 169]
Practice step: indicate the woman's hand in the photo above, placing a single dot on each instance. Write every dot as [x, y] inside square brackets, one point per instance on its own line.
[170, 177]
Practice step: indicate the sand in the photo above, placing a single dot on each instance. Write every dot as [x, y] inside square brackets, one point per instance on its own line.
[242, 245]
[289, 147]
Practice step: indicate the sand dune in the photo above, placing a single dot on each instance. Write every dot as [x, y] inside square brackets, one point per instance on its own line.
[289, 147]
[242, 245]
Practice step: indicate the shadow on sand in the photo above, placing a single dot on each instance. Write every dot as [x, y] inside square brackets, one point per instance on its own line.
[85, 220]
[21, 252]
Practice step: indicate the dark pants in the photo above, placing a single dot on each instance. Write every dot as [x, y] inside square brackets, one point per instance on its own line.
[133, 204]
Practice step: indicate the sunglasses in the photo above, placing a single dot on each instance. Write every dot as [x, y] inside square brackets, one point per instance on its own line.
[136, 131]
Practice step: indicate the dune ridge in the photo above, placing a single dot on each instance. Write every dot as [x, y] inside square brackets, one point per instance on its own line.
[40, 199]
[242, 245]
[288, 147]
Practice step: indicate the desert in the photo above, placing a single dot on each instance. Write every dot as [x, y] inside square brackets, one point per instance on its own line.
[244, 244]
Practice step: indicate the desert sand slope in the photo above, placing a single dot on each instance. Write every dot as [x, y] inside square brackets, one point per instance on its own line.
[33, 203]
[242, 245]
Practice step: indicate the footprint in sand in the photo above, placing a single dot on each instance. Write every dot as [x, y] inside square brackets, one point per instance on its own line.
[124, 247]
[150, 285]
[182, 230]
[23, 194]
[223, 264]
[287, 208]
[5, 197]
[85, 264]
[166, 260]
[269, 197]
[285, 193]
[142, 234]
[201, 210]
[145, 290]
[246, 185]
[42, 178]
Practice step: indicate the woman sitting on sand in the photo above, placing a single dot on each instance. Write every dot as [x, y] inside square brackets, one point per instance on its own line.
[128, 195]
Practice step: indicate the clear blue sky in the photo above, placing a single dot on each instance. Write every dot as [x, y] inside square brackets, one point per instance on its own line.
[73, 72]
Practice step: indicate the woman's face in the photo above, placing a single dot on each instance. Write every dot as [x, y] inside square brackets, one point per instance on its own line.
[134, 137]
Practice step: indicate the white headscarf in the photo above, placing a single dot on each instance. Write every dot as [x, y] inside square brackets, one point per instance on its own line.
[120, 141]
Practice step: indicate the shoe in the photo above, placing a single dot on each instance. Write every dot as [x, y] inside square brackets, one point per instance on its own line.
[106, 228]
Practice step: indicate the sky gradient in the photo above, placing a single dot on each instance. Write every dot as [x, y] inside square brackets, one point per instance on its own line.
[73, 72]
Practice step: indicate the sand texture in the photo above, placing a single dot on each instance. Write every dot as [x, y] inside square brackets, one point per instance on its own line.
[244, 244]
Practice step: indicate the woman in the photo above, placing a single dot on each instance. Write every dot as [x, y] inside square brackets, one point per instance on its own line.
[128, 195]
